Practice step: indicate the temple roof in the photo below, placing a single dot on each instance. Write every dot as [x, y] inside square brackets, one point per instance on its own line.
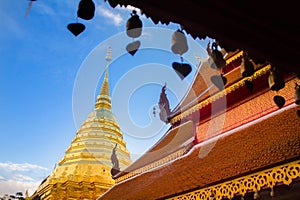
[174, 140]
[265, 142]
[202, 86]
[266, 30]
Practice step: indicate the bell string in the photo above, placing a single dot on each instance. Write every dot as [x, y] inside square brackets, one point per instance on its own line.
[28, 8]
[181, 59]
[272, 194]
[221, 71]
[295, 83]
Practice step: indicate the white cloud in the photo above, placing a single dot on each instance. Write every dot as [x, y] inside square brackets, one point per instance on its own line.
[8, 166]
[12, 187]
[15, 177]
[129, 8]
[20, 177]
[116, 18]
[2, 178]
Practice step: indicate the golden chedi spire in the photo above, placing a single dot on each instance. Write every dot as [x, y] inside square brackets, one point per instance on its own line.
[103, 99]
[85, 170]
[105, 87]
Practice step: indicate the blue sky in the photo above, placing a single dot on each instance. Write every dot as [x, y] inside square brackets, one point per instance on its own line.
[49, 80]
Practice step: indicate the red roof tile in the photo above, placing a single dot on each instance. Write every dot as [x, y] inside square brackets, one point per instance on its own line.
[270, 140]
[174, 140]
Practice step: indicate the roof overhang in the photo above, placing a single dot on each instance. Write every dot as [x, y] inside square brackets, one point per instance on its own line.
[263, 143]
[268, 31]
[174, 141]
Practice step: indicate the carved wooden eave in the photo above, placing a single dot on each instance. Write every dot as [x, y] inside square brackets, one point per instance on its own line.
[257, 27]
[220, 94]
[267, 143]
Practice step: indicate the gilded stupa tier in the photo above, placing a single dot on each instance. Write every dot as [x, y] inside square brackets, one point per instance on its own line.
[98, 135]
[85, 170]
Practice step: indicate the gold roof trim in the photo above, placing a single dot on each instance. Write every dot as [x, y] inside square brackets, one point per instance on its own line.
[157, 163]
[220, 94]
[285, 174]
[234, 57]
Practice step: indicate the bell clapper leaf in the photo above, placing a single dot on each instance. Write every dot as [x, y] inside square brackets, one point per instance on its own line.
[29, 7]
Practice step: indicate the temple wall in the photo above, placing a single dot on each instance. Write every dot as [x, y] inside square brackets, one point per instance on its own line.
[252, 108]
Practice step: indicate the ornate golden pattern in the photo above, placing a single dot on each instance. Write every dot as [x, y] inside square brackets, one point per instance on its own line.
[234, 57]
[157, 163]
[220, 94]
[285, 174]
[245, 111]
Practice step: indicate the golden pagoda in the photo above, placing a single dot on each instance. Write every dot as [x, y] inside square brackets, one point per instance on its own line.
[85, 170]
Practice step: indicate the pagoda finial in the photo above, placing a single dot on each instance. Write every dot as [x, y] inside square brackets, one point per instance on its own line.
[108, 59]
[108, 55]
[103, 99]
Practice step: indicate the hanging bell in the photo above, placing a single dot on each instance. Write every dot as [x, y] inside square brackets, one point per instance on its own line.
[134, 25]
[86, 9]
[133, 47]
[297, 94]
[179, 42]
[76, 28]
[217, 57]
[249, 85]
[279, 101]
[219, 81]
[182, 69]
[247, 67]
[275, 80]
